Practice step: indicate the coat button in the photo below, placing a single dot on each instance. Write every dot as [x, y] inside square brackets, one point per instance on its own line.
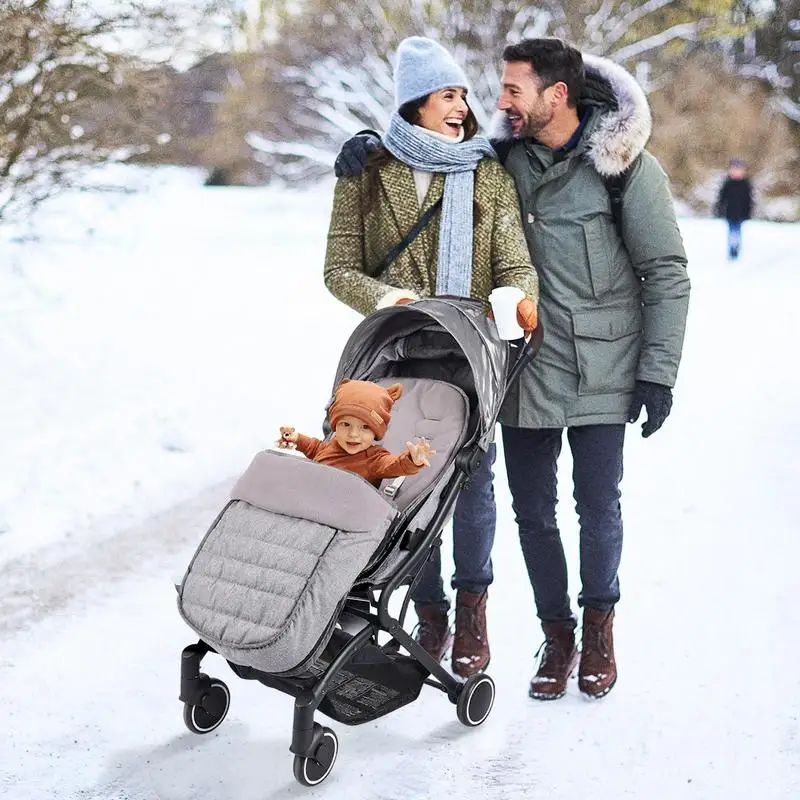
[531, 218]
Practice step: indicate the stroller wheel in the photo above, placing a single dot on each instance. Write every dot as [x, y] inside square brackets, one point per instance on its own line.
[476, 700]
[210, 712]
[312, 770]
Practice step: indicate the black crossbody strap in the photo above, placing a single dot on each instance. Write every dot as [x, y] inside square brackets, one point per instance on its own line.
[392, 255]
[615, 186]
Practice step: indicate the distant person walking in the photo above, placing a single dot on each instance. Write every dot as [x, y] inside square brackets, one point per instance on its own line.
[735, 204]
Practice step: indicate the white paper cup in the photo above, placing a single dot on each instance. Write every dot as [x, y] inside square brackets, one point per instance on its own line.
[504, 300]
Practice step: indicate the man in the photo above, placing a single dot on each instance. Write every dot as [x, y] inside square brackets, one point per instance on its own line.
[735, 204]
[613, 305]
[613, 308]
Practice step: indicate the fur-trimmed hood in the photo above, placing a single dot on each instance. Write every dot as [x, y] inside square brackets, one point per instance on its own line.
[625, 124]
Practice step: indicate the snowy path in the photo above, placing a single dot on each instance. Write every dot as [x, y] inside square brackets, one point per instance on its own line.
[707, 706]
[45, 583]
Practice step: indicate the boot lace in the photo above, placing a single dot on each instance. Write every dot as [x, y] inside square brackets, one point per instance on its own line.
[425, 628]
[467, 620]
[551, 656]
[594, 640]
[433, 628]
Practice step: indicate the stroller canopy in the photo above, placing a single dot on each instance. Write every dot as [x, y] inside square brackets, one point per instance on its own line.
[445, 338]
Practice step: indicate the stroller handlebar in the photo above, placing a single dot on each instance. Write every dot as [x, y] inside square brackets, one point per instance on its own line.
[526, 350]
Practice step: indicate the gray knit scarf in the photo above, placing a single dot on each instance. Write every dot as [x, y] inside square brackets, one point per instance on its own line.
[459, 161]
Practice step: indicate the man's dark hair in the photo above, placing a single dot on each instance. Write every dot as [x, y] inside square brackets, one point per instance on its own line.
[552, 60]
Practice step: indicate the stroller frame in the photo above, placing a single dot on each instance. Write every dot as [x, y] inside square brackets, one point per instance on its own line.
[315, 747]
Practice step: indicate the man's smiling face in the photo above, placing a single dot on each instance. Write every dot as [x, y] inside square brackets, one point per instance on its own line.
[528, 107]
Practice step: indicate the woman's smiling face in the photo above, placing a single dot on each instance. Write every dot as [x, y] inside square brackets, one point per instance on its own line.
[444, 111]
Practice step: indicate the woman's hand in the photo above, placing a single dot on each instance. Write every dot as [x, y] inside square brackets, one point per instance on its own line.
[288, 440]
[420, 452]
[396, 297]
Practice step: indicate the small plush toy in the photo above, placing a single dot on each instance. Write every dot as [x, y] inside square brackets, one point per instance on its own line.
[288, 440]
[359, 415]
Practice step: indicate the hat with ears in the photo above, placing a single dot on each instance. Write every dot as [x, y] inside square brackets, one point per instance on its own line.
[366, 401]
[423, 66]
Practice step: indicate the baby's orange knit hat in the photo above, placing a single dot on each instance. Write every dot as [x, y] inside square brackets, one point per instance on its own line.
[366, 401]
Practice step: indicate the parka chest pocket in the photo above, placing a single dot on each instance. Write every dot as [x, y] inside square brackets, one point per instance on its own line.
[607, 342]
[598, 256]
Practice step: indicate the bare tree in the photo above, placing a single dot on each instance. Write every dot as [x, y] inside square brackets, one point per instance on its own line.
[775, 57]
[58, 58]
[331, 66]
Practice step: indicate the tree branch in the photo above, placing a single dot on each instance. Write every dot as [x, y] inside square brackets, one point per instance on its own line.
[626, 21]
[686, 30]
[299, 149]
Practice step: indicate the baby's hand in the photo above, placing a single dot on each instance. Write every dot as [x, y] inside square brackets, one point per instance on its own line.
[420, 452]
[288, 440]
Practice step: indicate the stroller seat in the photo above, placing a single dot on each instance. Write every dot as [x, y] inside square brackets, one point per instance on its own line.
[428, 408]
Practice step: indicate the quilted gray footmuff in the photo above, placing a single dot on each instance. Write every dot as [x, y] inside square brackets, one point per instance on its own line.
[268, 579]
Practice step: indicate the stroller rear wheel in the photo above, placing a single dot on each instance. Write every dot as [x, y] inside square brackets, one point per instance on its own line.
[212, 709]
[476, 699]
[312, 770]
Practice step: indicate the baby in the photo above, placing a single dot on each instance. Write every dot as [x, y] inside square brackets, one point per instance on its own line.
[359, 415]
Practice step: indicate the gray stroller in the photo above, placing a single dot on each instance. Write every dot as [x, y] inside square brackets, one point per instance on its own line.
[293, 580]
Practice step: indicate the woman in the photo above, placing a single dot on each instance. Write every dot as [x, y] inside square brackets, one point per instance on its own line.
[431, 153]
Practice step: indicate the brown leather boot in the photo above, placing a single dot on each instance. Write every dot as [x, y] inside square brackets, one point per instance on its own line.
[558, 661]
[597, 673]
[434, 632]
[471, 645]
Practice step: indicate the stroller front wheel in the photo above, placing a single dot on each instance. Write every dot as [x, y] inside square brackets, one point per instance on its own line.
[476, 700]
[312, 770]
[212, 709]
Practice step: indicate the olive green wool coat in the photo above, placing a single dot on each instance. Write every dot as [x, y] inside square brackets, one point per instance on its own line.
[613, 309]
[362, 232]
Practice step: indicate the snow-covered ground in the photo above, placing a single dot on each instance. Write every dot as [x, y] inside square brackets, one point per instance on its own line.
[151, 343]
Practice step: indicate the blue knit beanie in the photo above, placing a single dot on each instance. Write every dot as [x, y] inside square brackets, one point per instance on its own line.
[423, 66]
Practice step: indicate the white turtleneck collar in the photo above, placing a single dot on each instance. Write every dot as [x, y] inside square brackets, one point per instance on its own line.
[422, 180]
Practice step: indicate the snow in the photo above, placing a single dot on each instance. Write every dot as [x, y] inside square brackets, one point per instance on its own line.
[153, 342]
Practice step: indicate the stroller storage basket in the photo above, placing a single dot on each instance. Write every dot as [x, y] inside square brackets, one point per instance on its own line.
[375, 682]
[278, 561]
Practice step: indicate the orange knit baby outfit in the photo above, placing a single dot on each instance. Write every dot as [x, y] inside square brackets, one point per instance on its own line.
[374, 464]
[372, 405]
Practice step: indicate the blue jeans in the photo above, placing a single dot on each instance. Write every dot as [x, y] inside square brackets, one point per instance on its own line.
[734, 238]
[474, 521]
[531, 457]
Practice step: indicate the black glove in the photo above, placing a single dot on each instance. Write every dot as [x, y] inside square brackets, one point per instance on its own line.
[355, 151]
[657, 399]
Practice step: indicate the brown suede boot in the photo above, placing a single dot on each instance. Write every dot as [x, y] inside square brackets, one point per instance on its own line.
[598, 670]
[471, 645]
[558, 662]
[434, 632]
